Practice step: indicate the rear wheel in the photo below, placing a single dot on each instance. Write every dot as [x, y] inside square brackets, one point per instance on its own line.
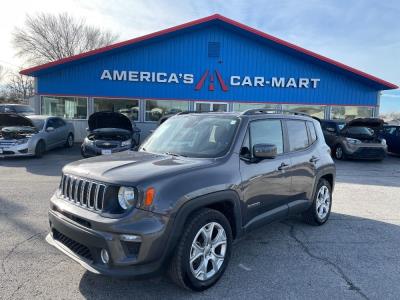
[70, 141]
[40, 149]
[203, 252]
[319, 211]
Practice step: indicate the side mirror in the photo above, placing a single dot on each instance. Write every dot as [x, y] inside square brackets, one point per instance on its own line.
[265, 151]
[50, 129]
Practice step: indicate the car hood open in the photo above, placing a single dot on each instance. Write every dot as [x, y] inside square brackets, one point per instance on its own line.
[108, 119]
[14, 120]
[372, 123]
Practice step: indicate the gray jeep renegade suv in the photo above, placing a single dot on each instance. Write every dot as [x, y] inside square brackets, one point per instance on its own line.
[197, 183]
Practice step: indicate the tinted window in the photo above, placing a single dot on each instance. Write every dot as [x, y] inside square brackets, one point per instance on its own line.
[51, 123]
[267, 132]
[297, 132]
[59, 122]
[313, 134]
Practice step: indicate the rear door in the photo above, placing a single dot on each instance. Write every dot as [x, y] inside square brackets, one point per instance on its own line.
[266, 185]
[61, 130]
[304, 157]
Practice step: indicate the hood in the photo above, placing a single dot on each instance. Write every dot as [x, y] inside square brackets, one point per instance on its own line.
[131, 167]
[14, 120]
[372, 123]
[108, 119]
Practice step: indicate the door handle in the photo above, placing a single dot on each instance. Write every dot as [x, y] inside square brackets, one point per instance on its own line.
[283, 166]
[314, 159]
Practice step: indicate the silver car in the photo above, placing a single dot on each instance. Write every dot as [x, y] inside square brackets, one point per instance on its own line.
[33, 135]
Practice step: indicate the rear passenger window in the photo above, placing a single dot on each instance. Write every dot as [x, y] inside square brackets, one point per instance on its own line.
[313, 134]
[297, 134]
[267, 132]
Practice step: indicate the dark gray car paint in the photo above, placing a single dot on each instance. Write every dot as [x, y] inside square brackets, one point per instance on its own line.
[185, 184]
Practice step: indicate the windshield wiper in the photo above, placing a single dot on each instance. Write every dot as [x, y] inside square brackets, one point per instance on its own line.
[174, 154]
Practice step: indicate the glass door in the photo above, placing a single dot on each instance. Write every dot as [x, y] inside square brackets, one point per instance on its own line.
[211, 106]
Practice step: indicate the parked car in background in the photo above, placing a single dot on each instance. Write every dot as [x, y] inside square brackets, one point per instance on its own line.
[33, 135]
[196, 184]
[109, 132]
[357, 139]
[20, 109]
[391, 133]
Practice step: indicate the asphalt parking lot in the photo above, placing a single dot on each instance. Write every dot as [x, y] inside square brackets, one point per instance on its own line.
[356, 255]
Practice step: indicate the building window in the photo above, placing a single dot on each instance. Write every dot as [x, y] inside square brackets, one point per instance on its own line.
[312, 110]
[127, 107]
[155, 109]
[348, 113]
[66, 107]
[245, 106]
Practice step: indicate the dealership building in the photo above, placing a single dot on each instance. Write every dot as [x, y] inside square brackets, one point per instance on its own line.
[210, 64]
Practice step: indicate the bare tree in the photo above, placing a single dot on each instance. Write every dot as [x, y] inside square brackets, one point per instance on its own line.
[3, 73]
[19, 87]
[47, 37]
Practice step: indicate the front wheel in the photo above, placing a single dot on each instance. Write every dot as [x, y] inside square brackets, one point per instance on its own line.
[338, 152]
[319, 211]
[40, 149]
[203, 252]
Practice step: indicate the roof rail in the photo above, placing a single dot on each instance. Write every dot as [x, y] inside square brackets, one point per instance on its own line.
[256, 111]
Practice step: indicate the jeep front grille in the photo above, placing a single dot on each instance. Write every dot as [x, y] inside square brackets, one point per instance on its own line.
[86, 193]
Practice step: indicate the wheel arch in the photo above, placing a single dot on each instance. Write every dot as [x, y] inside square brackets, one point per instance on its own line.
[226, 202]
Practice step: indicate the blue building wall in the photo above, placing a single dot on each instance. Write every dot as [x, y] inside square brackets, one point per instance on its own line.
[187, 52]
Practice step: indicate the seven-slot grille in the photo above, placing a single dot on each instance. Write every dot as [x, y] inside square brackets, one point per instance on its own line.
[83, 192]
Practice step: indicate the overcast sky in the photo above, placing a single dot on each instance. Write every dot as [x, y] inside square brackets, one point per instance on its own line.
[364, 34]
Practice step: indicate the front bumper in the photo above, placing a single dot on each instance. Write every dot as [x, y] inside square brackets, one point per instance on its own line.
[91, 150]
[365, 151]
[81, 236]
[15, 150]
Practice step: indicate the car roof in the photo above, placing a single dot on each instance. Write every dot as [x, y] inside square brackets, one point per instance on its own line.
[40, 117]
[13, 104]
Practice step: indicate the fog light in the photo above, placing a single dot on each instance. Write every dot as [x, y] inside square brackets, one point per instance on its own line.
[104, 256]
[130, 238]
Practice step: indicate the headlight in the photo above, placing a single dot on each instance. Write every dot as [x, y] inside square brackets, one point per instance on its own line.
[126, 197]
[22, 141]
[383, 142]
[87, 141]
[126, 143]
[353, 141]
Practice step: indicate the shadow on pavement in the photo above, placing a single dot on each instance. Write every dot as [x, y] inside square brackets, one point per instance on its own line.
[342, 259]
[49, 165]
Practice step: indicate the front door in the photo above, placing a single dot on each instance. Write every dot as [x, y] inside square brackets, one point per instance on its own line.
[211, 106]
[265, 183]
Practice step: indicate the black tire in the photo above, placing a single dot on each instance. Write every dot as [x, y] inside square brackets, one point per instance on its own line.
[179, 269]
[311, 216]
[40, 149]
[70, 141]
[338, 152]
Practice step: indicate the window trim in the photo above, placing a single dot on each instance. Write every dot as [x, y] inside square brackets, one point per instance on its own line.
[309, 133]
[61, 96]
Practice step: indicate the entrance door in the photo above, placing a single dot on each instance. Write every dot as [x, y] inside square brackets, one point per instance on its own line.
[211, 106]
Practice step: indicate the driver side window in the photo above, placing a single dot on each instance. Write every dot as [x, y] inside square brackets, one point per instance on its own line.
[267, 132]
[51, 123]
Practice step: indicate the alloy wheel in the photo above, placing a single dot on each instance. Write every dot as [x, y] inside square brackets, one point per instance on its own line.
[323, 202]
[208, 251]
[339, 152]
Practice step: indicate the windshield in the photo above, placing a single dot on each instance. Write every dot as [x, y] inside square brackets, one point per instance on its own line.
[39, 123]
[204, 136]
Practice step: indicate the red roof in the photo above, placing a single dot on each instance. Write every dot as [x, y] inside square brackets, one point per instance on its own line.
[259, 33]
